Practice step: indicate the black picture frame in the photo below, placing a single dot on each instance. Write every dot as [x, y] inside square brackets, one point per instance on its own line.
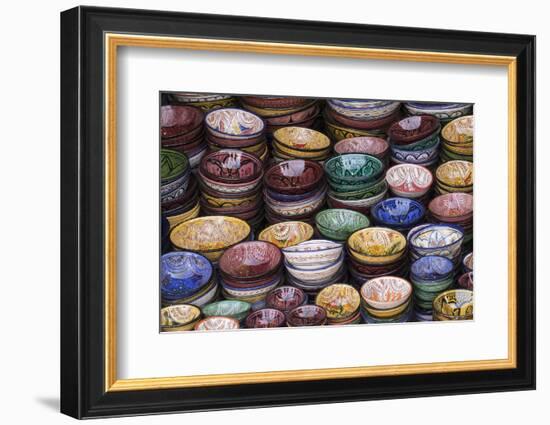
[82, 212]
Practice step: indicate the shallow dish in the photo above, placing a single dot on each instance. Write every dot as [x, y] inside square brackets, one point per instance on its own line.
[456, 174]
[183, 274]
[340, 301]
[353, 168]
[266, 318]
[250, 260]
[313, 254]
[339, 223]
[398, 212]
[374, 146]
[294, 176]
[234, 123]
[459, 131]
[413, 128]
[231, 166]
[285, 298]
[287, 234]
[302, 139]
[377, 245]
[307, 315]
[235, 309]
[455, 304]
[181, 317]
[386, 292]
[409, 180]
[217, 323]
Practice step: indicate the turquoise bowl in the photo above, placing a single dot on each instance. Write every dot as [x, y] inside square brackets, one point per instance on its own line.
[339, 224]
[364, 193]
[235, 309]
[353, 169]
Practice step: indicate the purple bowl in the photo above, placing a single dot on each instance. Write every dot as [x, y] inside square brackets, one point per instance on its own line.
[266, 318]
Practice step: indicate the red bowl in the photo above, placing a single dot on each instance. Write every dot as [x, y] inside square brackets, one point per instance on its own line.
[231, 143]
[413, 128]
[250, 260]
[454, 207]
[307, 315]
[177, 120]
[285, 298]
[294, 176]
[374, 146]
[466, 281]
[270, 102]
[266, 318]
[231, 166]
[295, 117]
[362, 124]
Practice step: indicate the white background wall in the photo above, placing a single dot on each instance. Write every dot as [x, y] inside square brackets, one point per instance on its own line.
[29, 210]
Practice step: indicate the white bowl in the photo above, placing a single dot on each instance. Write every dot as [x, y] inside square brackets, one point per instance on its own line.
[313, 254]
[313, 275]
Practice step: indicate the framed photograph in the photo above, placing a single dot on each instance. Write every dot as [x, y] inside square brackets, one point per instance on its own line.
[261, 212]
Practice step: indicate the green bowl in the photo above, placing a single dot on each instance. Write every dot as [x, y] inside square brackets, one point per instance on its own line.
[339, 223]
[172, 164]
[228, 308]
[353, 169]
[420, 145]
[338, 191]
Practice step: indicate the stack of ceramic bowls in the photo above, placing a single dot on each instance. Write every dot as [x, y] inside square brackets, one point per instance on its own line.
[206, 102]
[187, 278]
[231, 182]
[266, 318]
[430, 276]
[454, 208]
[217, 323]
[250, 270]
[410, 181]
[445, 112]
[415, 140]
[314, 264]
[234, 309]
[338, 224]
[306, 315]
[458, 140]
[455, 176]
[279, 112]
[341, 302]
[386, 299]
[356, 182]
[455, 304]
[401, 214]
[179, 189]
[209, 236]
[285, 298]
[345, 118]
[374, 146]
[375, 252]
[286, 234]
[232, 128]
[182, 130]
[443, 240]
[294, 190]
[179, 317]
[300, 143]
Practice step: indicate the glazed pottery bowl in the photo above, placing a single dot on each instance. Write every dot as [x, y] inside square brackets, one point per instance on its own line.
[183, 274]
[231, 166]
[376, 245]
[286, 152]
[173, 165]
[338, 132]
[295, 119]
[287, 234]
[443, 111]
[459, 131]
[409, 180]
[363, 109]
[386, 313]
[373, 124]
[299, 208]
[386, 292]
[217, 323]
[360, 205]
[235, 309]
[341, 301]
[250, 260]
[466, 281]
[285, 298]
[339, 224]
[421, 156]
[398, 212]
[210, 235]
[413, 128]
[267, 113]
[425, 144]
[181, 317]
[316, 274]
[176, 120]
[455, 304]
[374, 146]
[356, 192]
[431, 268]
[313, 254]
[266, 318]
[452, 207]
[294, 176]
[436, 239]
[231, 123]
[306, 315]
[302, 139]
[352, 169]
[243, 291]
[274, 102]
[456, 174]
[230, 188]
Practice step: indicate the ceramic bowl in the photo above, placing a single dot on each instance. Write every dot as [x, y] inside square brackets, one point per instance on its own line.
[172, 165]
[459, 131]
[427, 143]
[387, 313]
[360, 205]
[287, 234]
[232, 123]
[436, 239]
[176, 120]
[241, 289]
[294, 176]
[340, 301]
[297, 118]
[466, 281]
[371, 124]
[386, 292]
[363, 109]
[422, 157]
[217, 323]
[250, 260]
[231, 166]
[316, 274]
[230, 188]
[227, 308]
[443, 111]
[275, 102]
[181, 317]
[456, 174]
[398, 212]
[275, 112]
[266, 318]
[313, 254]
[306, 315]
[452, 207]
[413, 128]
[300, 208]
[455, 304]
[285, 298]
[210, 235]
[374, 146]
[339, 224]
[409, 180]
[302, 139]
[353, 169]
[468, 262]
[377, 245]
[183, 274]
[338, 131]
[431, 268]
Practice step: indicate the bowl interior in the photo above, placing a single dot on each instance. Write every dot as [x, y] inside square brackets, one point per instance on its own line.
[183, 273]
[352, 167]
[366, 145]
[386, 291]
[294, 175]
[409, 178]
[287, 233]
[435, 236]
[234, 122]
[456, 173]
[231, 165]
[340, 220]
[431, 267]
[301, 138]
[452, 205]
[398, 211]
[250, 259]
[377, 242]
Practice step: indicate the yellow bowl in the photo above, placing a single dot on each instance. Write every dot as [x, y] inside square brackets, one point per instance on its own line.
[377, 245]
[275, 112]
[455, 304]
[293, 153]
[302, 139]
[209, 236]
[288, 233]
[217, 202]
[340, 300]
[461, 150]
[188, 215]
[456, 173]
[460, 130]
[180, 317]
[337, 132]
[386, 314]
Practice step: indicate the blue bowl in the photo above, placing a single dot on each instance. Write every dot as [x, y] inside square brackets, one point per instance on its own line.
[398, 212]
[183, 274]
[431, 268]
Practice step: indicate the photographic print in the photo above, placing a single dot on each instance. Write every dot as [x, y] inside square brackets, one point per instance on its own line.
[290, 211]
